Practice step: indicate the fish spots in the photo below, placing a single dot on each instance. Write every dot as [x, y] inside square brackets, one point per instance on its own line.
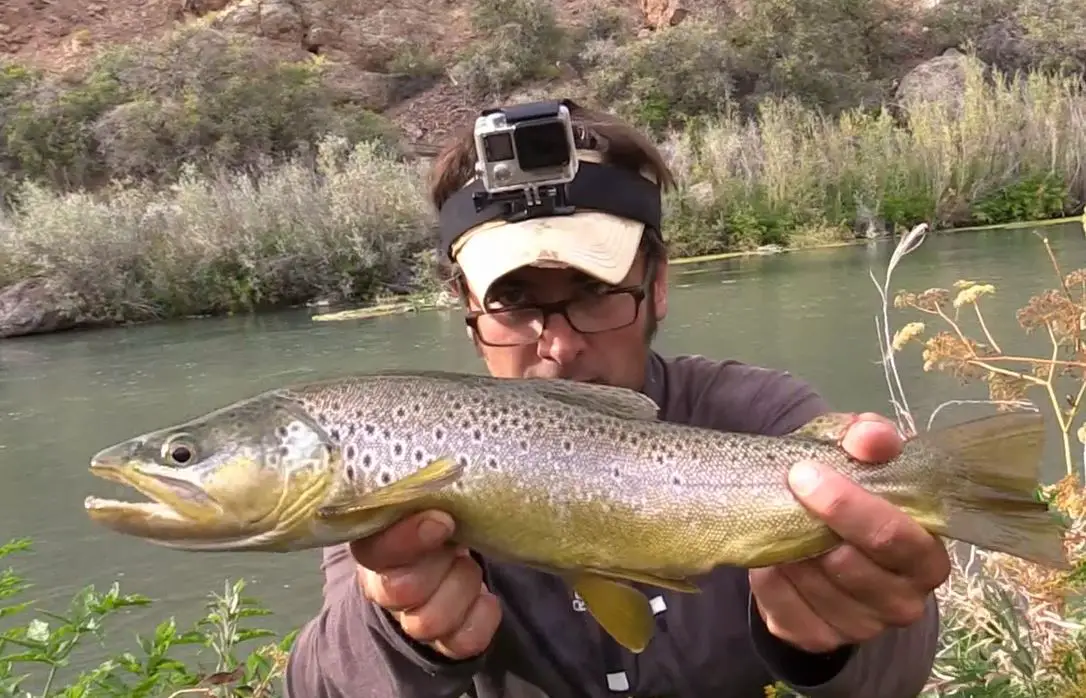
[350, 453]
[463, 461]
[567, 445]
[335, 435]
[397, 448]
[367, 461]
[281, 432]
[477, 435]
[384, 478]
[351, 473]
[677, 480]
[439, 435]
[418, 456]
[275, 458]
[523, 444]
[370, 429]
[492, 464]
[616, 473]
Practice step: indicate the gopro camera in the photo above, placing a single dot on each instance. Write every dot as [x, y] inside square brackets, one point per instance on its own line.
[526, 147]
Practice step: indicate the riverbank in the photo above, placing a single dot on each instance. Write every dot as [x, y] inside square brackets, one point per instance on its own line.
[356, 226]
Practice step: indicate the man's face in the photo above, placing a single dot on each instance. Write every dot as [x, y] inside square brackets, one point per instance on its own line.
[614, 357]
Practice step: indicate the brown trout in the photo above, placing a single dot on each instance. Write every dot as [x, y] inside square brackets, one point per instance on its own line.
[576, 479]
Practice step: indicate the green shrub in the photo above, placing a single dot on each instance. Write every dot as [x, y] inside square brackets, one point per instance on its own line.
[209, 658]
[520, 40]
[343, 229]
[675, 73]
[142, 111]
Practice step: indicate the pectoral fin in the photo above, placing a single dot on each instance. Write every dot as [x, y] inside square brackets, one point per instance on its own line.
[680, 585]
[621, 610]
[427, 480]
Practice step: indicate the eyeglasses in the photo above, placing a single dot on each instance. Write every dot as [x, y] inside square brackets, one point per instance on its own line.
[524, 324]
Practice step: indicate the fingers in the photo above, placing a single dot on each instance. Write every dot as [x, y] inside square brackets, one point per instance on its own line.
[890, 598]
[408, 586]
[788, 616]
[433, 589]
[404, 542]
[476, 632]
[852, 621]
[873, 438]
[445, 610]
[882, 531]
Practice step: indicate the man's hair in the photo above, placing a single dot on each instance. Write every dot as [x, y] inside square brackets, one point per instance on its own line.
[619, 143]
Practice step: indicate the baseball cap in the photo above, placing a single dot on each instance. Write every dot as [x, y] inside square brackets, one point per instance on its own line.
[599, 244]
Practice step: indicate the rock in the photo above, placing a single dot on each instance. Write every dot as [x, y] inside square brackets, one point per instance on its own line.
[37, 306]
[376, 91]
[273, 19]
[663, 13]
[702, 194]
[868, 224]
[941, 79]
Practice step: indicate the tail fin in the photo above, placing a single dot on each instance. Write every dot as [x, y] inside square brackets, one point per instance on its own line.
[991, 503]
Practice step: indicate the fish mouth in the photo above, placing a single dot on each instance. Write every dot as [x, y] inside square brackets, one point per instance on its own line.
[176, 506]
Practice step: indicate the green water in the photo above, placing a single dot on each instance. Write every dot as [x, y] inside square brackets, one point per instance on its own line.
[62, 397]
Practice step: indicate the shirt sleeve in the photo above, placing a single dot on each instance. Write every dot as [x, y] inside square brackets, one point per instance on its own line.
[897, 663]
[353, 648]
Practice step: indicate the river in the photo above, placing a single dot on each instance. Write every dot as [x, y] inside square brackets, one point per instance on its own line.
[64, 396]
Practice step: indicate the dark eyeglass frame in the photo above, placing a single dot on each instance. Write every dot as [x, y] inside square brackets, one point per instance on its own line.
[639, 293]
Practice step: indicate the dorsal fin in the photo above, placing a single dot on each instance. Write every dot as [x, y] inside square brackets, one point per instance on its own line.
[605, 399]
[618, 402]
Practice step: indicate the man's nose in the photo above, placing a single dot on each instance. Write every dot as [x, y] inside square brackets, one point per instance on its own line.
[559, 342]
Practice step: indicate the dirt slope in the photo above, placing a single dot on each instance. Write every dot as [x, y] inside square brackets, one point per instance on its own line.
[59, 34]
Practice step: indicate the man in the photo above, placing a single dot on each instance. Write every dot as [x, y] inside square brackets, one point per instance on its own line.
[579, 296]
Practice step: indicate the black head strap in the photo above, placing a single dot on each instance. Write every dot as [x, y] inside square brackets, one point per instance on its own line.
[613, 190]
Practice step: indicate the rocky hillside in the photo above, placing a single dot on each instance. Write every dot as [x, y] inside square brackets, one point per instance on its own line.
[426, 65]
[389, 53]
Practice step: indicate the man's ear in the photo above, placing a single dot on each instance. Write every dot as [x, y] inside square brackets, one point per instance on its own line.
[659, 290]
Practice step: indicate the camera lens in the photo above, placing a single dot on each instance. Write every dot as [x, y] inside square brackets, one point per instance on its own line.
[541, 146]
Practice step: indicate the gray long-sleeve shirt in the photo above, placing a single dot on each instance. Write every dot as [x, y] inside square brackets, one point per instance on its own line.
[708, 644]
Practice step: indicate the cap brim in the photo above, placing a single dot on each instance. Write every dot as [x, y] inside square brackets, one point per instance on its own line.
[596, 243]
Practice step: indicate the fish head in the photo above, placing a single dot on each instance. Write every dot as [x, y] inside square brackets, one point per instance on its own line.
[247, 476]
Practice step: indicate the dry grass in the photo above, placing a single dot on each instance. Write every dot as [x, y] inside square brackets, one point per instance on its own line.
[1010, 628]
[355, 226]
[346, 229]
[1018, 150]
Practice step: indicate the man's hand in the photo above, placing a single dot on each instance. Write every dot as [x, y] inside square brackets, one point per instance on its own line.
[433, 589]
[879, 577]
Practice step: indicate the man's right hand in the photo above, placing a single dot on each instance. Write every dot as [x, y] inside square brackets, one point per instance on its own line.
[434, 589]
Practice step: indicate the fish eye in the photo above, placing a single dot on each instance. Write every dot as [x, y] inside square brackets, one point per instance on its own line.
[178, 450]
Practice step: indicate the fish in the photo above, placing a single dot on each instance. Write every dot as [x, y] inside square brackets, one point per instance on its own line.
[579, 480]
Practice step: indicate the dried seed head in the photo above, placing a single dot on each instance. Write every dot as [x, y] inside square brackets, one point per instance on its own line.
[906, 334]
[968, 296]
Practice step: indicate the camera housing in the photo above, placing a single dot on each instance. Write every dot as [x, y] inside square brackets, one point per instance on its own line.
[527, 148]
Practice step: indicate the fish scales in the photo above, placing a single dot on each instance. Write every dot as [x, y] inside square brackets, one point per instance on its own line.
[576, 479]
[583, 488]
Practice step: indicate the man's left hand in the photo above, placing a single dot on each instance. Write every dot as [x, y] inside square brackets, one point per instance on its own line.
[879, 577]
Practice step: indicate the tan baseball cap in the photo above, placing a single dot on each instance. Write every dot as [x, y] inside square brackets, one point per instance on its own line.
[599, 244]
